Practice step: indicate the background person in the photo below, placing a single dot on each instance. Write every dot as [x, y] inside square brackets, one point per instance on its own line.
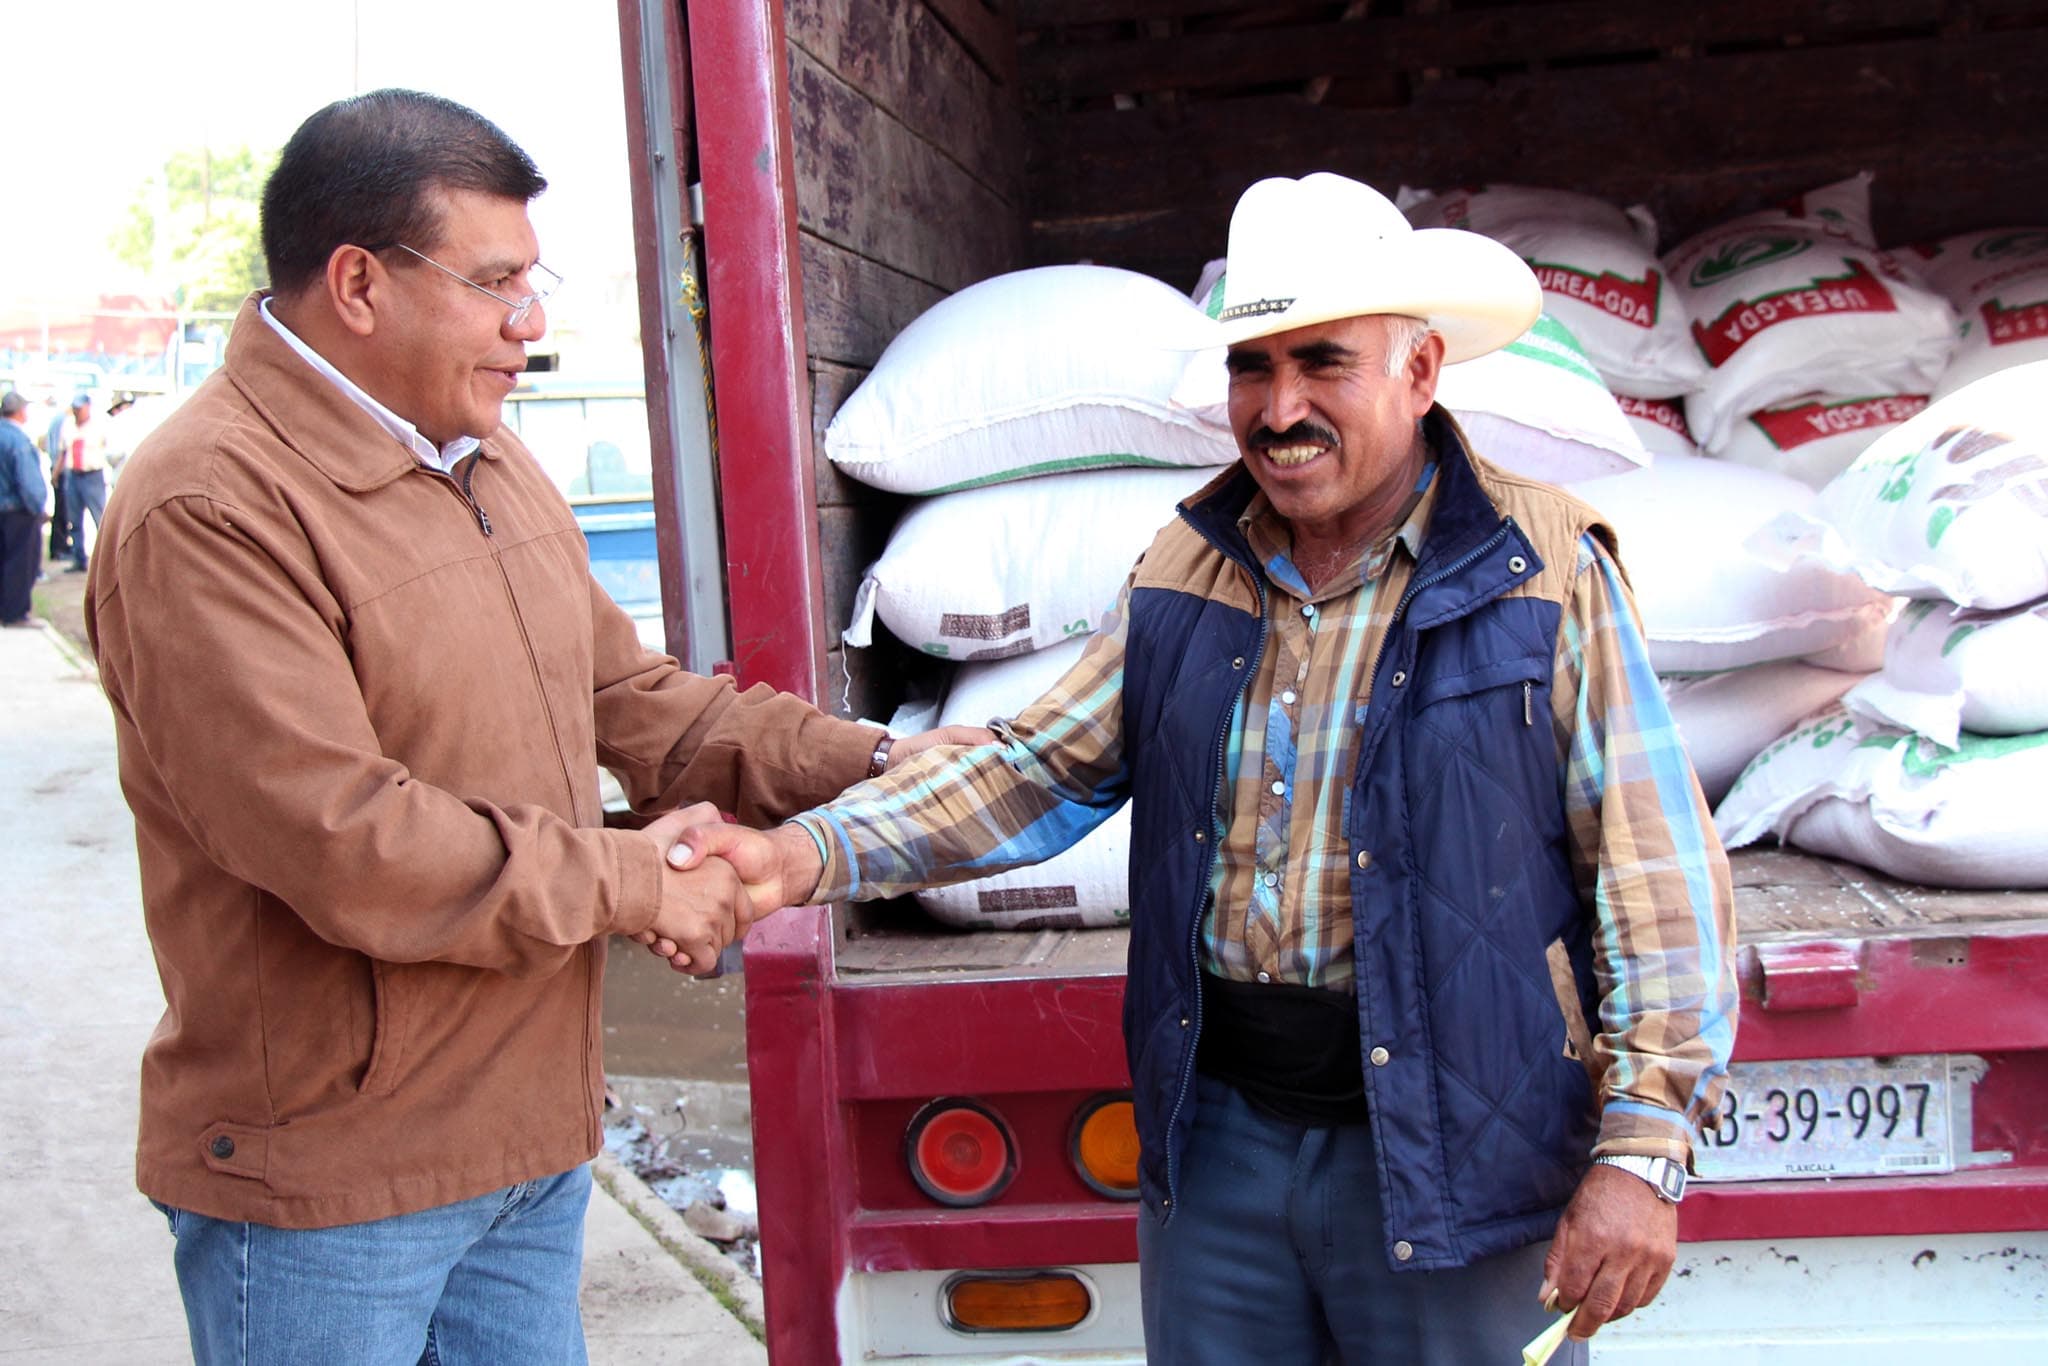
[362, 683]
[23, 497]
[82, 461]
[1431, 937]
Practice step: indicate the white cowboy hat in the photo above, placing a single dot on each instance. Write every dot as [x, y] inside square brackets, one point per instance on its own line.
[1324, 246]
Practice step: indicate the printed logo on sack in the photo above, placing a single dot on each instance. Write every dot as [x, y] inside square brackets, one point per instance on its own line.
[1745, 253]
[1854, 291]
[2003, 326]
[1632, 301]
[1656, 410]
[2006, 246]
[1794, 426]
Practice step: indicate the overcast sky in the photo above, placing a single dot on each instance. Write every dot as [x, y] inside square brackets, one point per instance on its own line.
[99, 93]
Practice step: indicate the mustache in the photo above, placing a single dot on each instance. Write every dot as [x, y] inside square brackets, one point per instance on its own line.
[1303, 433]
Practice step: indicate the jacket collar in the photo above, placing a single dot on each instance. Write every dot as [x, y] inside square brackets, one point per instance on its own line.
[330, 430]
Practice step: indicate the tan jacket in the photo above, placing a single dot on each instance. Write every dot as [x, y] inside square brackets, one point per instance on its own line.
[360, 735]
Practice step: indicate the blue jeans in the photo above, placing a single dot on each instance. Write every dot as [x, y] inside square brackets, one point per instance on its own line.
[485, 1281]
[84, 491]
[1276, 1256]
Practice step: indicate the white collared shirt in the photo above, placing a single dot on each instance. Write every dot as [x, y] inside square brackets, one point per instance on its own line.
[423, 450]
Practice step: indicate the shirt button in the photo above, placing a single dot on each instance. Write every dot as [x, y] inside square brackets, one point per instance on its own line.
[1272, 879]
[1279, 789]
[1403, 1251]
[1365, 858]
[1288, 697]
[1265, 977]
[1309, 610]
[1379, 1057]
[222, 1146]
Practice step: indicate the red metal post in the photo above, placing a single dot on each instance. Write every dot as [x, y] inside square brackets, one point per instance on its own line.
[800, 1155]
[774, 579]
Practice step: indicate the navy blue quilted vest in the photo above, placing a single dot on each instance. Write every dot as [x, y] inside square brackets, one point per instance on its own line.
[1460, 879]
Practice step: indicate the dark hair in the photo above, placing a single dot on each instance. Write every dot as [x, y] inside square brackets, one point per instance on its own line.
[359, 172]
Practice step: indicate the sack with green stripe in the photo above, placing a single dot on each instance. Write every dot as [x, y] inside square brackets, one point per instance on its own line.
[1035, 372]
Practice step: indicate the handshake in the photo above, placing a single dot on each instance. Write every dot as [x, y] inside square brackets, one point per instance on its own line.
[720, 878]
[717, 879]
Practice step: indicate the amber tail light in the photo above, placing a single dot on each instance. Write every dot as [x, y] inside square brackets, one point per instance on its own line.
[1017, 1302]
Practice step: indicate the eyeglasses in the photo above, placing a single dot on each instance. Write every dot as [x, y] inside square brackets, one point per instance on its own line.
[538, 274]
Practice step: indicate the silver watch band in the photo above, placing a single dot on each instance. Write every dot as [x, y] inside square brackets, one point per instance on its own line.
[1664, 1176]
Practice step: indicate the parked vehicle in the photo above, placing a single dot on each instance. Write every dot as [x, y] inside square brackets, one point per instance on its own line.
[858, 161]
[591, 438]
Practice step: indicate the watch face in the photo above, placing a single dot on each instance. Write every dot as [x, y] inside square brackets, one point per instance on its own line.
[1671, 1179]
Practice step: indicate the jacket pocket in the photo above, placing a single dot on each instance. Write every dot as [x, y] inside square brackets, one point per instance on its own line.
[1526, 674]
[391, 1032]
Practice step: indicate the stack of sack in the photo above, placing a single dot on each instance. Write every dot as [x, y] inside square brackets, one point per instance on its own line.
[1744, 647]
[1817, 342]
[1998, 282]
[1932, 770]
[1039, 432]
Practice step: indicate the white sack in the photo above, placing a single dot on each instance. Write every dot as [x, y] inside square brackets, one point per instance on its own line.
[1086, 887]
[991, 572]
[1799, 300]
[1951, 504]
[1598, 268]
[1728, 718]
[1968, 817]
[1998, 282]
[1707, 603]
[1659, 424]
[1537, 407]
[1948, 670]
[1814, 437]
[1029, 373]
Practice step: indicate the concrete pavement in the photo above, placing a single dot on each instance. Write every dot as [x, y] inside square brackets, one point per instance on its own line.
[85, 1263]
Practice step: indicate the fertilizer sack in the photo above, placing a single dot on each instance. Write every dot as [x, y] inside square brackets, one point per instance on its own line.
[1727, 719]
[1707, 602]
[1086, 887]
[1034, 372]
[1998, 283]
[1599, 271]
[1815, 437]
[1951, 669]
[1952, 503]
[1899, 803]
[997, 571]
[1659, 424]
[1799, 300]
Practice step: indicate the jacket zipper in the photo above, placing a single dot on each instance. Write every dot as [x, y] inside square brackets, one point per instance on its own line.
[1187, 1071]
[483, 519]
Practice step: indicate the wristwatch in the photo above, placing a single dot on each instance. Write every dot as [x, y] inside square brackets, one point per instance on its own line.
[878, 762]
[1665, 1176]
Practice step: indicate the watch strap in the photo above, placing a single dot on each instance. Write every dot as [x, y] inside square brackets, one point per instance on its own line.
[1663, 1175]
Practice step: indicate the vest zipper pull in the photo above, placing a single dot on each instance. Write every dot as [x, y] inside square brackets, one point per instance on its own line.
[1528, 714]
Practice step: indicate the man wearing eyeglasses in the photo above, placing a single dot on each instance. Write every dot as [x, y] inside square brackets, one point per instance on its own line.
[362, 682]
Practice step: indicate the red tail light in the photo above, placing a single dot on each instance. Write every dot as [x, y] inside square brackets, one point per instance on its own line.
[959, 1152]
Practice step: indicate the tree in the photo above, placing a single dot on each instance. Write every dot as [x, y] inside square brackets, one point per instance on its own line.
[192, 228]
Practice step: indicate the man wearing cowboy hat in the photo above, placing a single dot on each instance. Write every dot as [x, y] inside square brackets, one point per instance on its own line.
[1430, 976]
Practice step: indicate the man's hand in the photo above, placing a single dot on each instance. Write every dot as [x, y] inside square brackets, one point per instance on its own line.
[704, 906]
[778, 867]
[910, 745]
[1613, 1250]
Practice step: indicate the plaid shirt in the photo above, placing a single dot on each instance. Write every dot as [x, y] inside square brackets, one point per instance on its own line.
[1642, 841]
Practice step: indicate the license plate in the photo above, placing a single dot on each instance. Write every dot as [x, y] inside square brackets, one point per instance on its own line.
[1829, 1117]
